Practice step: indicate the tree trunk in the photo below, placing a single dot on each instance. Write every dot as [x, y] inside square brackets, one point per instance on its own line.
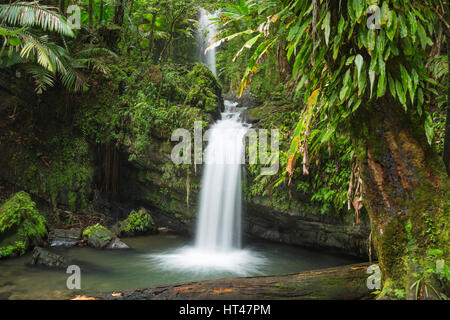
[62, 7]
[90, 12]
[339, 283]
[152, 35]
[447, 127]
[101, 11]
[404, 184]
[119, 12]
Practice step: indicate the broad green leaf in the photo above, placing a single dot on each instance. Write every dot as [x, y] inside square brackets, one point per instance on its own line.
[372, 81]
[402, 26]
[424, 40]
[381, 90]
[144, 43]
[371, 38]
[326, 26]
[362, 83]
[349, 60]
[14, 41]
[341, 25]
[406, 80]
[401, 94]
[346, 86]
[391, 26]
[358, 9]
[412, 23]
[429, 130]
[392, 86]
[359, 61]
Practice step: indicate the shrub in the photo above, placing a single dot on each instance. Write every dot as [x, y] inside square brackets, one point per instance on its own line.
[138, 222]
[21, 225]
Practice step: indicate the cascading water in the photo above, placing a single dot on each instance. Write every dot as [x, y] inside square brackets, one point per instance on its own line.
[219, 221]
[218, 234]
[205, 34]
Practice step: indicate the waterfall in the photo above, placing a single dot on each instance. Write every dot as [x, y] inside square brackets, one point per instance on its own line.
[218, 234]
[219, 220]
[205, 34]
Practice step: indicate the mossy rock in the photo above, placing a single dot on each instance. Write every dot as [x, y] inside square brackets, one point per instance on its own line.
[138, 222]
[21, 225]
[205, 91]
[98, 236]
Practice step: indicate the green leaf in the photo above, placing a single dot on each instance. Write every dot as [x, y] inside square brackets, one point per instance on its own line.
[358, 9]
[420, 101]
[371, 38]
[346, 86]
[3, 32]
[402, 26]
[435, 252]
[14, 41]
[372, 81]
[341, 25]
[424, 40]
[405, 77]
[349, 60]
[326, 25]
[381, 90]
[429, 130]
[401, 94]
[412, 23]
[359, 61]
[392, 86]
[336, 46]
[391, 26]
[144, 43]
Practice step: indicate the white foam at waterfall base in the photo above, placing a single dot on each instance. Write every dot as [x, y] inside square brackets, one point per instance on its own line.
[196, 260]
[218, 234]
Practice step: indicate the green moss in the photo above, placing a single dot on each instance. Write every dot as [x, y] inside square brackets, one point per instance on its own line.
[97, 229]
[62, 174]
[98, 236]
[205, 92]
[21, 225]
[72, 200]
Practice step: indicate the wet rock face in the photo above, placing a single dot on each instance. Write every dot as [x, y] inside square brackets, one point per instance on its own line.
[64, 238]
[307, 231]
[49, 259]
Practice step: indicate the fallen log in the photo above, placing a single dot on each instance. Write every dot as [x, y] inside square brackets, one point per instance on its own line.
[339, 283]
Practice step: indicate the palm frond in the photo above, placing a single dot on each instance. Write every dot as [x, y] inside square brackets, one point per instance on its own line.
[31, 14]
[42, 77]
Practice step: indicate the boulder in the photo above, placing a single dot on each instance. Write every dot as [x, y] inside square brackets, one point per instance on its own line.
[64, 238]
[98, 236]
[118, 244]
[49, 259]
[205, 91]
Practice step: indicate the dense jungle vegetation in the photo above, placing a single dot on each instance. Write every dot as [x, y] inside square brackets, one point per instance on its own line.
[357, 88]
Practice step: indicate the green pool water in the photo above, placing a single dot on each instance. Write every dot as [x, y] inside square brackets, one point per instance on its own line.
[146, 265]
